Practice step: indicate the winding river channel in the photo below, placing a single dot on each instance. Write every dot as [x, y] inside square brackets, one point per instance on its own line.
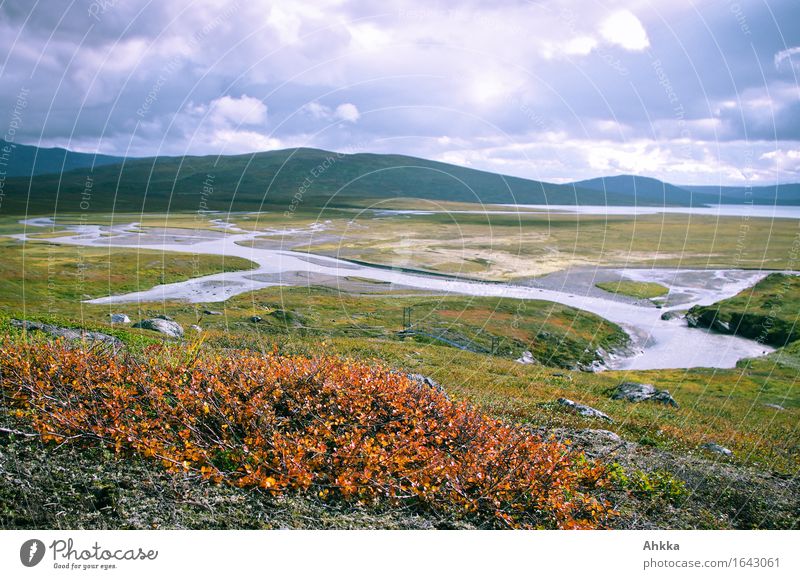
[657, 343]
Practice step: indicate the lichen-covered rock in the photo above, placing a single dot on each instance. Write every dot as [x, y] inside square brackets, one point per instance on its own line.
[526, 358]
[68, 333]
[428, 382]
[636, 392]
[120, 319]
[583, 410]
[167, 327]
[717, 449]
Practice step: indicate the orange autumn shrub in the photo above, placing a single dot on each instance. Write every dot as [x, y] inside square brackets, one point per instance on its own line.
[339, 429]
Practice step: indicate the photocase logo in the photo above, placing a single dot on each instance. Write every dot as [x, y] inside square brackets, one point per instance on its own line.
[31, 553]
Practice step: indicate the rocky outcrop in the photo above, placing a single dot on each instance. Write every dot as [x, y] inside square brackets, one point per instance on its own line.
[583, 410]
[428, 382]
[716, 449]
[120, 319]
[704, 318]
[67, 333]
[159, 324]
[526, 358]
[636, 392]
[673, 314]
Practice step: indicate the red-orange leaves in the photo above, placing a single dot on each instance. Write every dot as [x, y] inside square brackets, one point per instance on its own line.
[338, 429]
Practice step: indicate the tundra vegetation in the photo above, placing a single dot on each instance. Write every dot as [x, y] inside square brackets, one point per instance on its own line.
[306, 417]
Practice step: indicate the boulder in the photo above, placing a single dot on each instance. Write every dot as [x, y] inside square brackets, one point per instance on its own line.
[423, 380]
[583, 410]
[167, 327]
[716, 449]
[636, 392]
[164, 317]
[120, 319]
[68, 333]
[212, 313]
[256, 319]
[526, 358]
[673, 314]
[196, 328]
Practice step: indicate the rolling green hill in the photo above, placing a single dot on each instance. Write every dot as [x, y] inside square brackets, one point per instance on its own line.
[276, 180]
[287, 179]
[644, 190]
[27, 160]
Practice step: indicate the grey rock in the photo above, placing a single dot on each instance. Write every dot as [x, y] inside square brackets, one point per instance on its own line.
[196, 328]
[526, 358]
[775, 406]
[256, 319]
[68, 333]
[673, 314]
[120, 319]
[212, 313]
[600, 434]
[566, 377]
[717, 449]
[583, 410]
[167, 327]
[428, 382]
[164, 317]
[636, 392]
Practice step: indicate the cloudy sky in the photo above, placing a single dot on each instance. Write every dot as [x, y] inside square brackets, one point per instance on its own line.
[690, 91]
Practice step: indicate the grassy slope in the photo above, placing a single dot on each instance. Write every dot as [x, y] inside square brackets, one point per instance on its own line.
[767, 312]
[247, 182]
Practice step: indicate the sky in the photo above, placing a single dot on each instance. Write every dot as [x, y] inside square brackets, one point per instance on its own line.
[688, 91]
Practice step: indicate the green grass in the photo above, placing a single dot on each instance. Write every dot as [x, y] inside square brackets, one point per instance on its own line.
[635, 289]
[768, 312]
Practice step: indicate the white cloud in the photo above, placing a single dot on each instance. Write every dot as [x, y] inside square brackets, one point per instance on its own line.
[580, 45]
[347, 112]
[787, 56]
[784, 161]
[244, 110]
[624, 29]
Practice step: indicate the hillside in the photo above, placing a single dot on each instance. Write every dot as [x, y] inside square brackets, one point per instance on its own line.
[339, 430]
[785, 194]
[27, 160]
[643, 190]
[282, 180]
[277, 178]
[767, 312]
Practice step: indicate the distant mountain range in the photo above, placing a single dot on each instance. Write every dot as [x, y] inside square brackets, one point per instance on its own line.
[66, 181]
[25, 160]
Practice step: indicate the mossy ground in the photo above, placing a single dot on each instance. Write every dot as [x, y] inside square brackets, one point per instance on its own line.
[635, 289]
